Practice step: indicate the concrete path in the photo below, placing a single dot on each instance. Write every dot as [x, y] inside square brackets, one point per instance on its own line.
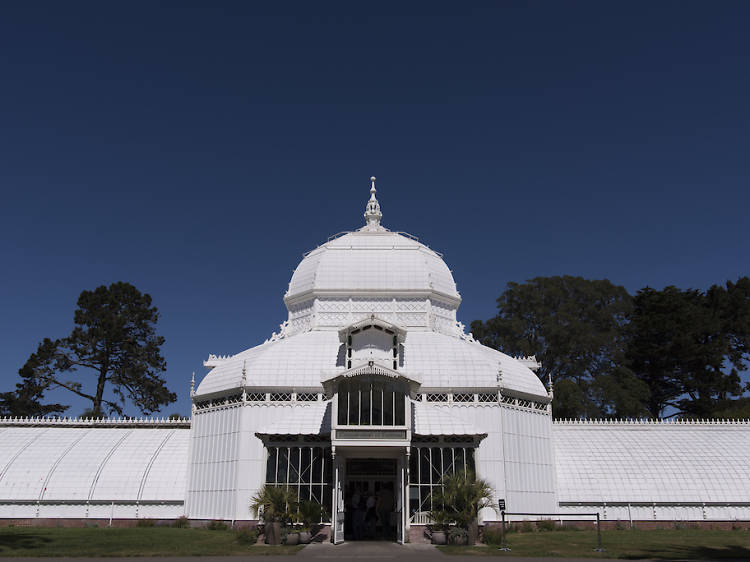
[362, 551]
[365, 550]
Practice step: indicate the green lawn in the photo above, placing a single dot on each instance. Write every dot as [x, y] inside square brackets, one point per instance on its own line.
[659, 544]
[154, 541]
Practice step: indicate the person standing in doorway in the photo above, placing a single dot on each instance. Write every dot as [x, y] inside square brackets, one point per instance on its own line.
[358, 514]
[384, 508]
[371, 516]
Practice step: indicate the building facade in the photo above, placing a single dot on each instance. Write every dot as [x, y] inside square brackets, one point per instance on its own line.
[371, 388]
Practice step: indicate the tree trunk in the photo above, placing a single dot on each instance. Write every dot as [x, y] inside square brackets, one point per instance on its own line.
[273, 532]
[472, 533]
[97, 408]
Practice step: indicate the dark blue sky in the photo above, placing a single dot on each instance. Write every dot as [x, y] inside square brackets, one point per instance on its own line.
[197, 150]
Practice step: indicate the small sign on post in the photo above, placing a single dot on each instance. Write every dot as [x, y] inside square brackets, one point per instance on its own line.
[503, 544]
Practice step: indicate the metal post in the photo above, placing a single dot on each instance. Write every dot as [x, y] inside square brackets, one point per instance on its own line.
[599, 547]
[630, 516]
[503, 545]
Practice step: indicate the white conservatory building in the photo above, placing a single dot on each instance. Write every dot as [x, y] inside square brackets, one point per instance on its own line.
[371, 387]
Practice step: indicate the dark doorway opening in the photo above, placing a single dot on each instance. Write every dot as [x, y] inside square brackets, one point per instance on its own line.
[370, 500]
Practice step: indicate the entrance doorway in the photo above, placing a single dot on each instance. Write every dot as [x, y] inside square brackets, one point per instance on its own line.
[370, 500]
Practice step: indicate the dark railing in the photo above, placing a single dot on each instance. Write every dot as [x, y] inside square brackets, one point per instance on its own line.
[503, 513]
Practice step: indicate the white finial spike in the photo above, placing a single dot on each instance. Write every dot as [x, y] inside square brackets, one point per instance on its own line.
[372, 210]
[192, 385]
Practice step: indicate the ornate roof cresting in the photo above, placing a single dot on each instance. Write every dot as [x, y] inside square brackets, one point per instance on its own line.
[372, 211]
[94, 422]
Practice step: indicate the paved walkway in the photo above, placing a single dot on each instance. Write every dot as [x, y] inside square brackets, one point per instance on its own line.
[366, 550]
[362, 551]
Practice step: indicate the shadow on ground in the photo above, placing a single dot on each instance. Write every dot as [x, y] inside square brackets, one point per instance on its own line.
[732, 551]
[27, 541]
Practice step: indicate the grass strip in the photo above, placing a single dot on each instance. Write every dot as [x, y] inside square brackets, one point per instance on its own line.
[678, 544]
[154, 541]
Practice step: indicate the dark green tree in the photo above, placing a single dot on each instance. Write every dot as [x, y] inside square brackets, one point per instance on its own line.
[733, 305]
[575, 327]
[620, 394]
[733, 409]
[689, 346]
[113, 345]
[26, 401]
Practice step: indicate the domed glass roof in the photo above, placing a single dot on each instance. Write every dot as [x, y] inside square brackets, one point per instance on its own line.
[371, 273]
[372, 261]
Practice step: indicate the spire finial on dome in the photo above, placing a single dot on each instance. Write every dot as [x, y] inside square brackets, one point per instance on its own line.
[372, 211]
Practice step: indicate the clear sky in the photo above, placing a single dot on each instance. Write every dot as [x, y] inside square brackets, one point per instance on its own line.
[197, 150]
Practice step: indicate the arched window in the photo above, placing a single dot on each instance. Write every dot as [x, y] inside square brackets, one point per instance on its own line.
[372, 400]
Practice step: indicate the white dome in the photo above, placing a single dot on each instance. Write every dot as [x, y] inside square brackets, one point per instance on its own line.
[372, 262]
[367, 274]
[441, 361]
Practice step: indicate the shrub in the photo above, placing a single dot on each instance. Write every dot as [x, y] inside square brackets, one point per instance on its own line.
[457, 535]
[546, 525]
[217, 525]
[492, 535]
[145, 523]
[310, 513]
[182, 522]
[526, 527]
[620, 525]
[247, 536]
[275, 503]
[441, 519]
[462, 497]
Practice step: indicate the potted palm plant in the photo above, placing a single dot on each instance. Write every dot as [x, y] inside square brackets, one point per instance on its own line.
[310, 514]
[462, 496]
[274, 504]
[439, 527]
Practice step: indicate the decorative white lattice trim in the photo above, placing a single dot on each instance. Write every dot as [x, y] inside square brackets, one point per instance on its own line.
[645, 421]
[283, 332]
[91, 422]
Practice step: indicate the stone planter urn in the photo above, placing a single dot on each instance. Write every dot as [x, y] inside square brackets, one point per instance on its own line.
[273, 532]
[292, 539]
[305, 537]
[438, 537]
